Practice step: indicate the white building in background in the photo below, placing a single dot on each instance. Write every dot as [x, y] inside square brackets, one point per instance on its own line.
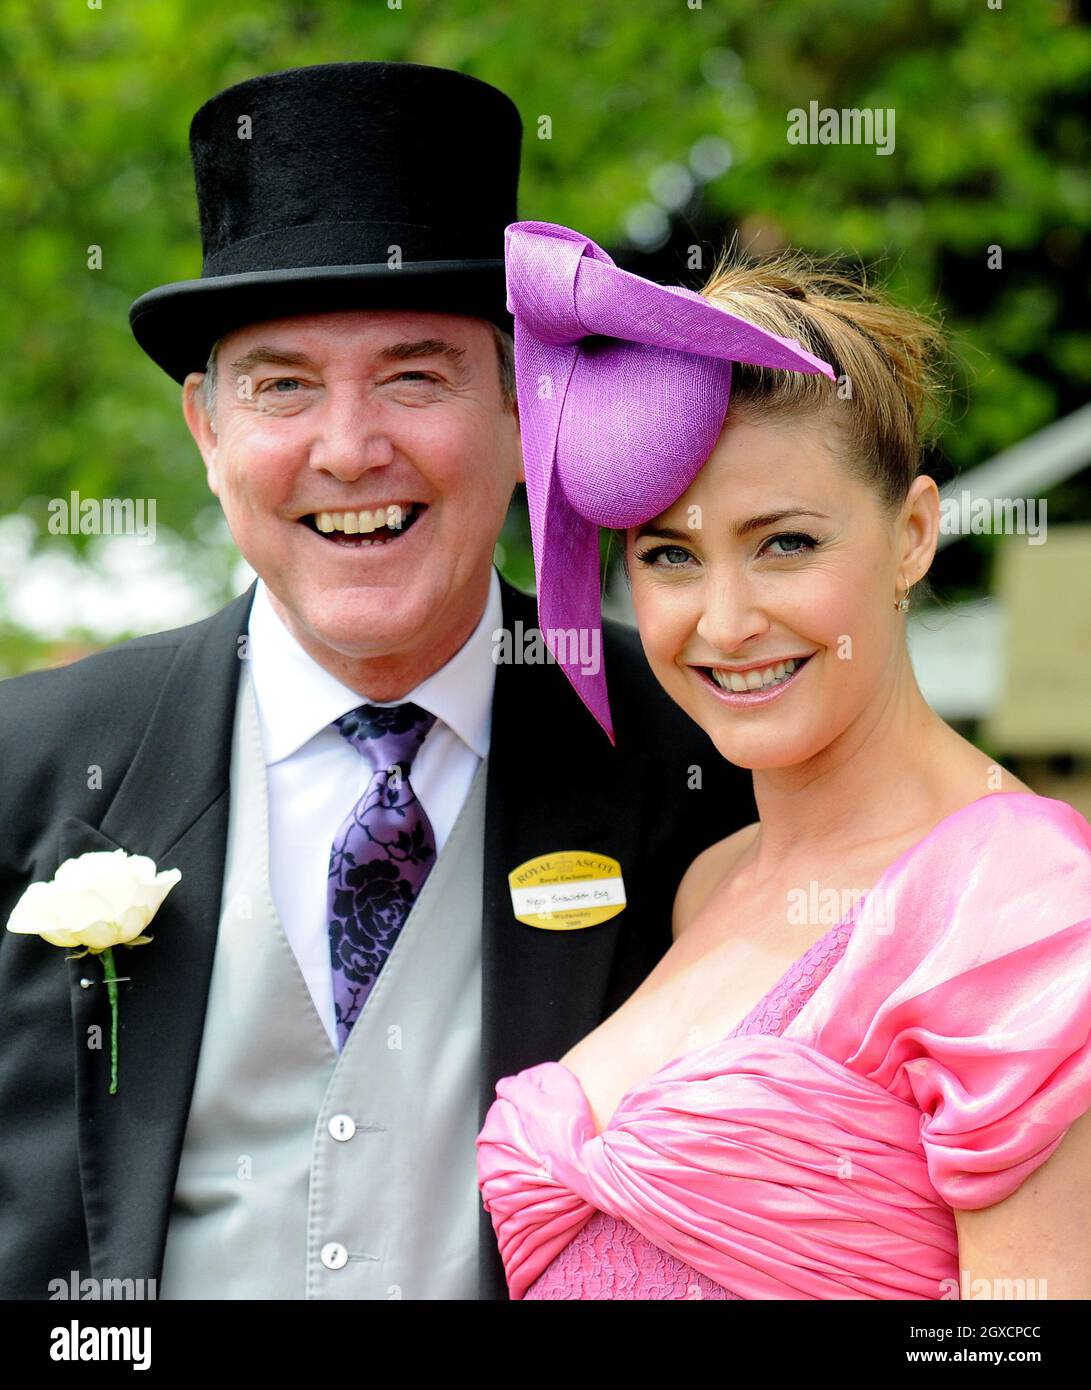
[958, 657]
[975, 660]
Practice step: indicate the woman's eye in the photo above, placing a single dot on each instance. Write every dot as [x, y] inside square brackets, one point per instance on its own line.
[797, 543]
[674, 555]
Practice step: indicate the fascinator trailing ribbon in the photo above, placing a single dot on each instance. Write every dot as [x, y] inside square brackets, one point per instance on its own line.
[623, 389]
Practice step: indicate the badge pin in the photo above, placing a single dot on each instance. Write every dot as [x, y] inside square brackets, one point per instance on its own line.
[567, 890]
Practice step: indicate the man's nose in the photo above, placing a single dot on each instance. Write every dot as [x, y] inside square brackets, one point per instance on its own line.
[352, 435]
[733, 613]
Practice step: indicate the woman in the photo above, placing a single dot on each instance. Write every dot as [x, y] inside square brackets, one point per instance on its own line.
[872, 1027]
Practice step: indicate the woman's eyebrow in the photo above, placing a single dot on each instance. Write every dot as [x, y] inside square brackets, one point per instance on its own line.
[666, 533]
[755, 523]
[741, 528]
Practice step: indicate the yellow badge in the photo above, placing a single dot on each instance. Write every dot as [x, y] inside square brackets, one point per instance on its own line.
[567, 890]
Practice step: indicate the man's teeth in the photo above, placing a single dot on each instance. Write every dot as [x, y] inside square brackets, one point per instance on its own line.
[363, 523]
[756, 679]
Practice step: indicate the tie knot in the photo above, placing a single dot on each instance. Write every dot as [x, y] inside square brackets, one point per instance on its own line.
[386, 734]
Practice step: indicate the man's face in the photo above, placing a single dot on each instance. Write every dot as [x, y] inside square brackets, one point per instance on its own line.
[398, 415]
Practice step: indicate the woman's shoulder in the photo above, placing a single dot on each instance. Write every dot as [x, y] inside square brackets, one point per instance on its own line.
[1010, 865]
[706, 873]
[976, 795]
[1020, 830]
[1012, 825]
[970, 991]
[984, 916]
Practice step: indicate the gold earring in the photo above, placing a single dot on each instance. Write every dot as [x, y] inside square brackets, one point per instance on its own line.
[902, 604]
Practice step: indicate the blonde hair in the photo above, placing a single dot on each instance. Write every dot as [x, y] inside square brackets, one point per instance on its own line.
[890, 389]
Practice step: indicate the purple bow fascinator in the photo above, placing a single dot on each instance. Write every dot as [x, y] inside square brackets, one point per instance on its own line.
[613, 432]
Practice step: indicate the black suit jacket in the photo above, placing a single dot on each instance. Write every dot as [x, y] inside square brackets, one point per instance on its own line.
[131, 748]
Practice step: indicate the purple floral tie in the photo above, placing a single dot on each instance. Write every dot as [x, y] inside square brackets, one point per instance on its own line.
[381, 855]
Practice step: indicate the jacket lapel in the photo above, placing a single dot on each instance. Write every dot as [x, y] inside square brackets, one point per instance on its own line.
[554, 783]
[172, 805]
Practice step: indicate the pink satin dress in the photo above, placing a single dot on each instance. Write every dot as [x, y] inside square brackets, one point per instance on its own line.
[925, 1056]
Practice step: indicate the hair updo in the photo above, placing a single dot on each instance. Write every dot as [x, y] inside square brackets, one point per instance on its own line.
[888, 396]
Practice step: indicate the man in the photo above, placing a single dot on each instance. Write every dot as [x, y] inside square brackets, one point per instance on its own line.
[308, 1044]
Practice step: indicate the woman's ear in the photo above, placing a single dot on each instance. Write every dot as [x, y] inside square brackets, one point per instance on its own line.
[919, 529]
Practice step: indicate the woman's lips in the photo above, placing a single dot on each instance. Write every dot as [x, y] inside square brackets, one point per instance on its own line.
[746, 699]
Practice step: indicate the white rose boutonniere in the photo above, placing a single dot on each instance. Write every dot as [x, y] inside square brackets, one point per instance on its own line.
[96, 901]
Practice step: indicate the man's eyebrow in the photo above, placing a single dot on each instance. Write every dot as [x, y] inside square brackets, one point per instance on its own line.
[422, 347]
[262, 356]
[396, 352]
[742, 528]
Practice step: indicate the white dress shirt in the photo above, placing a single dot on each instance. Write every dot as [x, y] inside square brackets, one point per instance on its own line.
[315, 776]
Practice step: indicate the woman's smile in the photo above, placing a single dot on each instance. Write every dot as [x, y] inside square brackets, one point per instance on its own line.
[757, 686]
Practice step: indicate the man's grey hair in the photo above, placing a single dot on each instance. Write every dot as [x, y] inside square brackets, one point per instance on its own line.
[505, 354]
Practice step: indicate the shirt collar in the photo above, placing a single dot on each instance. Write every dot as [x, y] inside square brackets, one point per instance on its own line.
[297, 698]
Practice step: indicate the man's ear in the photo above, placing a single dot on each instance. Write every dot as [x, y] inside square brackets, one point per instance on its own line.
[201, 426]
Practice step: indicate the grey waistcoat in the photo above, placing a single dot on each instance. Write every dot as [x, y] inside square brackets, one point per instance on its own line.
[308, 1175]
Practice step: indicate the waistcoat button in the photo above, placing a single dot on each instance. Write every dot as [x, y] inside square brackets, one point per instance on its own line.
[334, 1256]
[342, 1127]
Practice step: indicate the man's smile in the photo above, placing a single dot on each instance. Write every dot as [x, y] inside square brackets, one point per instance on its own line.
[368, 526]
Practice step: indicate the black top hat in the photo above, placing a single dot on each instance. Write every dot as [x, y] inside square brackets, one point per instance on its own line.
[342, 186]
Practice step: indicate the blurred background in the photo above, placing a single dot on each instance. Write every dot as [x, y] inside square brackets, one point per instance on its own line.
[666, 137]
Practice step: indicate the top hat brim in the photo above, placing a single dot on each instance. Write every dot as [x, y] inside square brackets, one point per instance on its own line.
[178, 324]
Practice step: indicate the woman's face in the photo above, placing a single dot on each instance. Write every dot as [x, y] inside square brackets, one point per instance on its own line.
[776, 554]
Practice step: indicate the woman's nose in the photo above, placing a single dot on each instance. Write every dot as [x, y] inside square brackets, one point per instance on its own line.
[732, 615]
